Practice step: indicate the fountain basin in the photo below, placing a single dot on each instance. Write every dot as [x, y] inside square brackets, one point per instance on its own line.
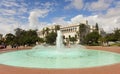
[50, 58]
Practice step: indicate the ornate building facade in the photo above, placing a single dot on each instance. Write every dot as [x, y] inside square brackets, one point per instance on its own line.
[73, 30]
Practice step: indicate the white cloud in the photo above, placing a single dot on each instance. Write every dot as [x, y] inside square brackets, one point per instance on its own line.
[34, 17]
[8, 22]
[41, 12]
[117, 20]
[60, 21]
[9, 3]
[112, 12]
[117, 4]
[7, 25]
[108, 24]
[77, 19]
[22, 10]
[99, 5]
[5, 29]
[14, 14]
[12, 7]
[78, 4]
[7, 12]
[108, 21]
[48, 5]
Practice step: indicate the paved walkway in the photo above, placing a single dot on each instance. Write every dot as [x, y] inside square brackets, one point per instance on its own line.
[111, 69]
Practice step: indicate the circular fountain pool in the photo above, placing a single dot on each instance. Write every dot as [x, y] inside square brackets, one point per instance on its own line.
[49, 57]
[59, 57]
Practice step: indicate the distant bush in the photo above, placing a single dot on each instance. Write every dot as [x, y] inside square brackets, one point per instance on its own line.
[116, 44]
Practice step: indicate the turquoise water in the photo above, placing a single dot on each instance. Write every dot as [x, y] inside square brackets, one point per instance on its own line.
[49, 57]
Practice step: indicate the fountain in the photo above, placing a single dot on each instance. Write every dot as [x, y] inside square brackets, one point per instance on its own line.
[59, 57]
[59, 40]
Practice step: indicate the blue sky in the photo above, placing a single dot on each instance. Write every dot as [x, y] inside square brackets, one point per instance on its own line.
[31, 14]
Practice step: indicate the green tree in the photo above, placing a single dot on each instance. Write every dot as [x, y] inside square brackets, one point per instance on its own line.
[51, 38]
[113, 36]
[102, 40]
[28, 37]
[31, 37]
[92, 38]
[117, 34]
[41, 40]
[97, 27]
[73, 39]
[110, 37]
[47, 31]
[57, 27]
[69, 37]
[63, 37]
[43, 31]
[10, 39]
[18, 32]
[1, 42]
[82, 32]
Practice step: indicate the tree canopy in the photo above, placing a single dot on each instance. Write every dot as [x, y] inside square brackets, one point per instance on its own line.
[22, 37]
[92, 38]
[51, 38]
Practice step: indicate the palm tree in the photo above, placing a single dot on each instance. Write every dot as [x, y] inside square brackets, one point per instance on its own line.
[47, 31]
[43, 31]
[57, 27]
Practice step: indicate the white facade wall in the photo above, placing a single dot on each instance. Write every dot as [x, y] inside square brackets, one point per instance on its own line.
[72, 34]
